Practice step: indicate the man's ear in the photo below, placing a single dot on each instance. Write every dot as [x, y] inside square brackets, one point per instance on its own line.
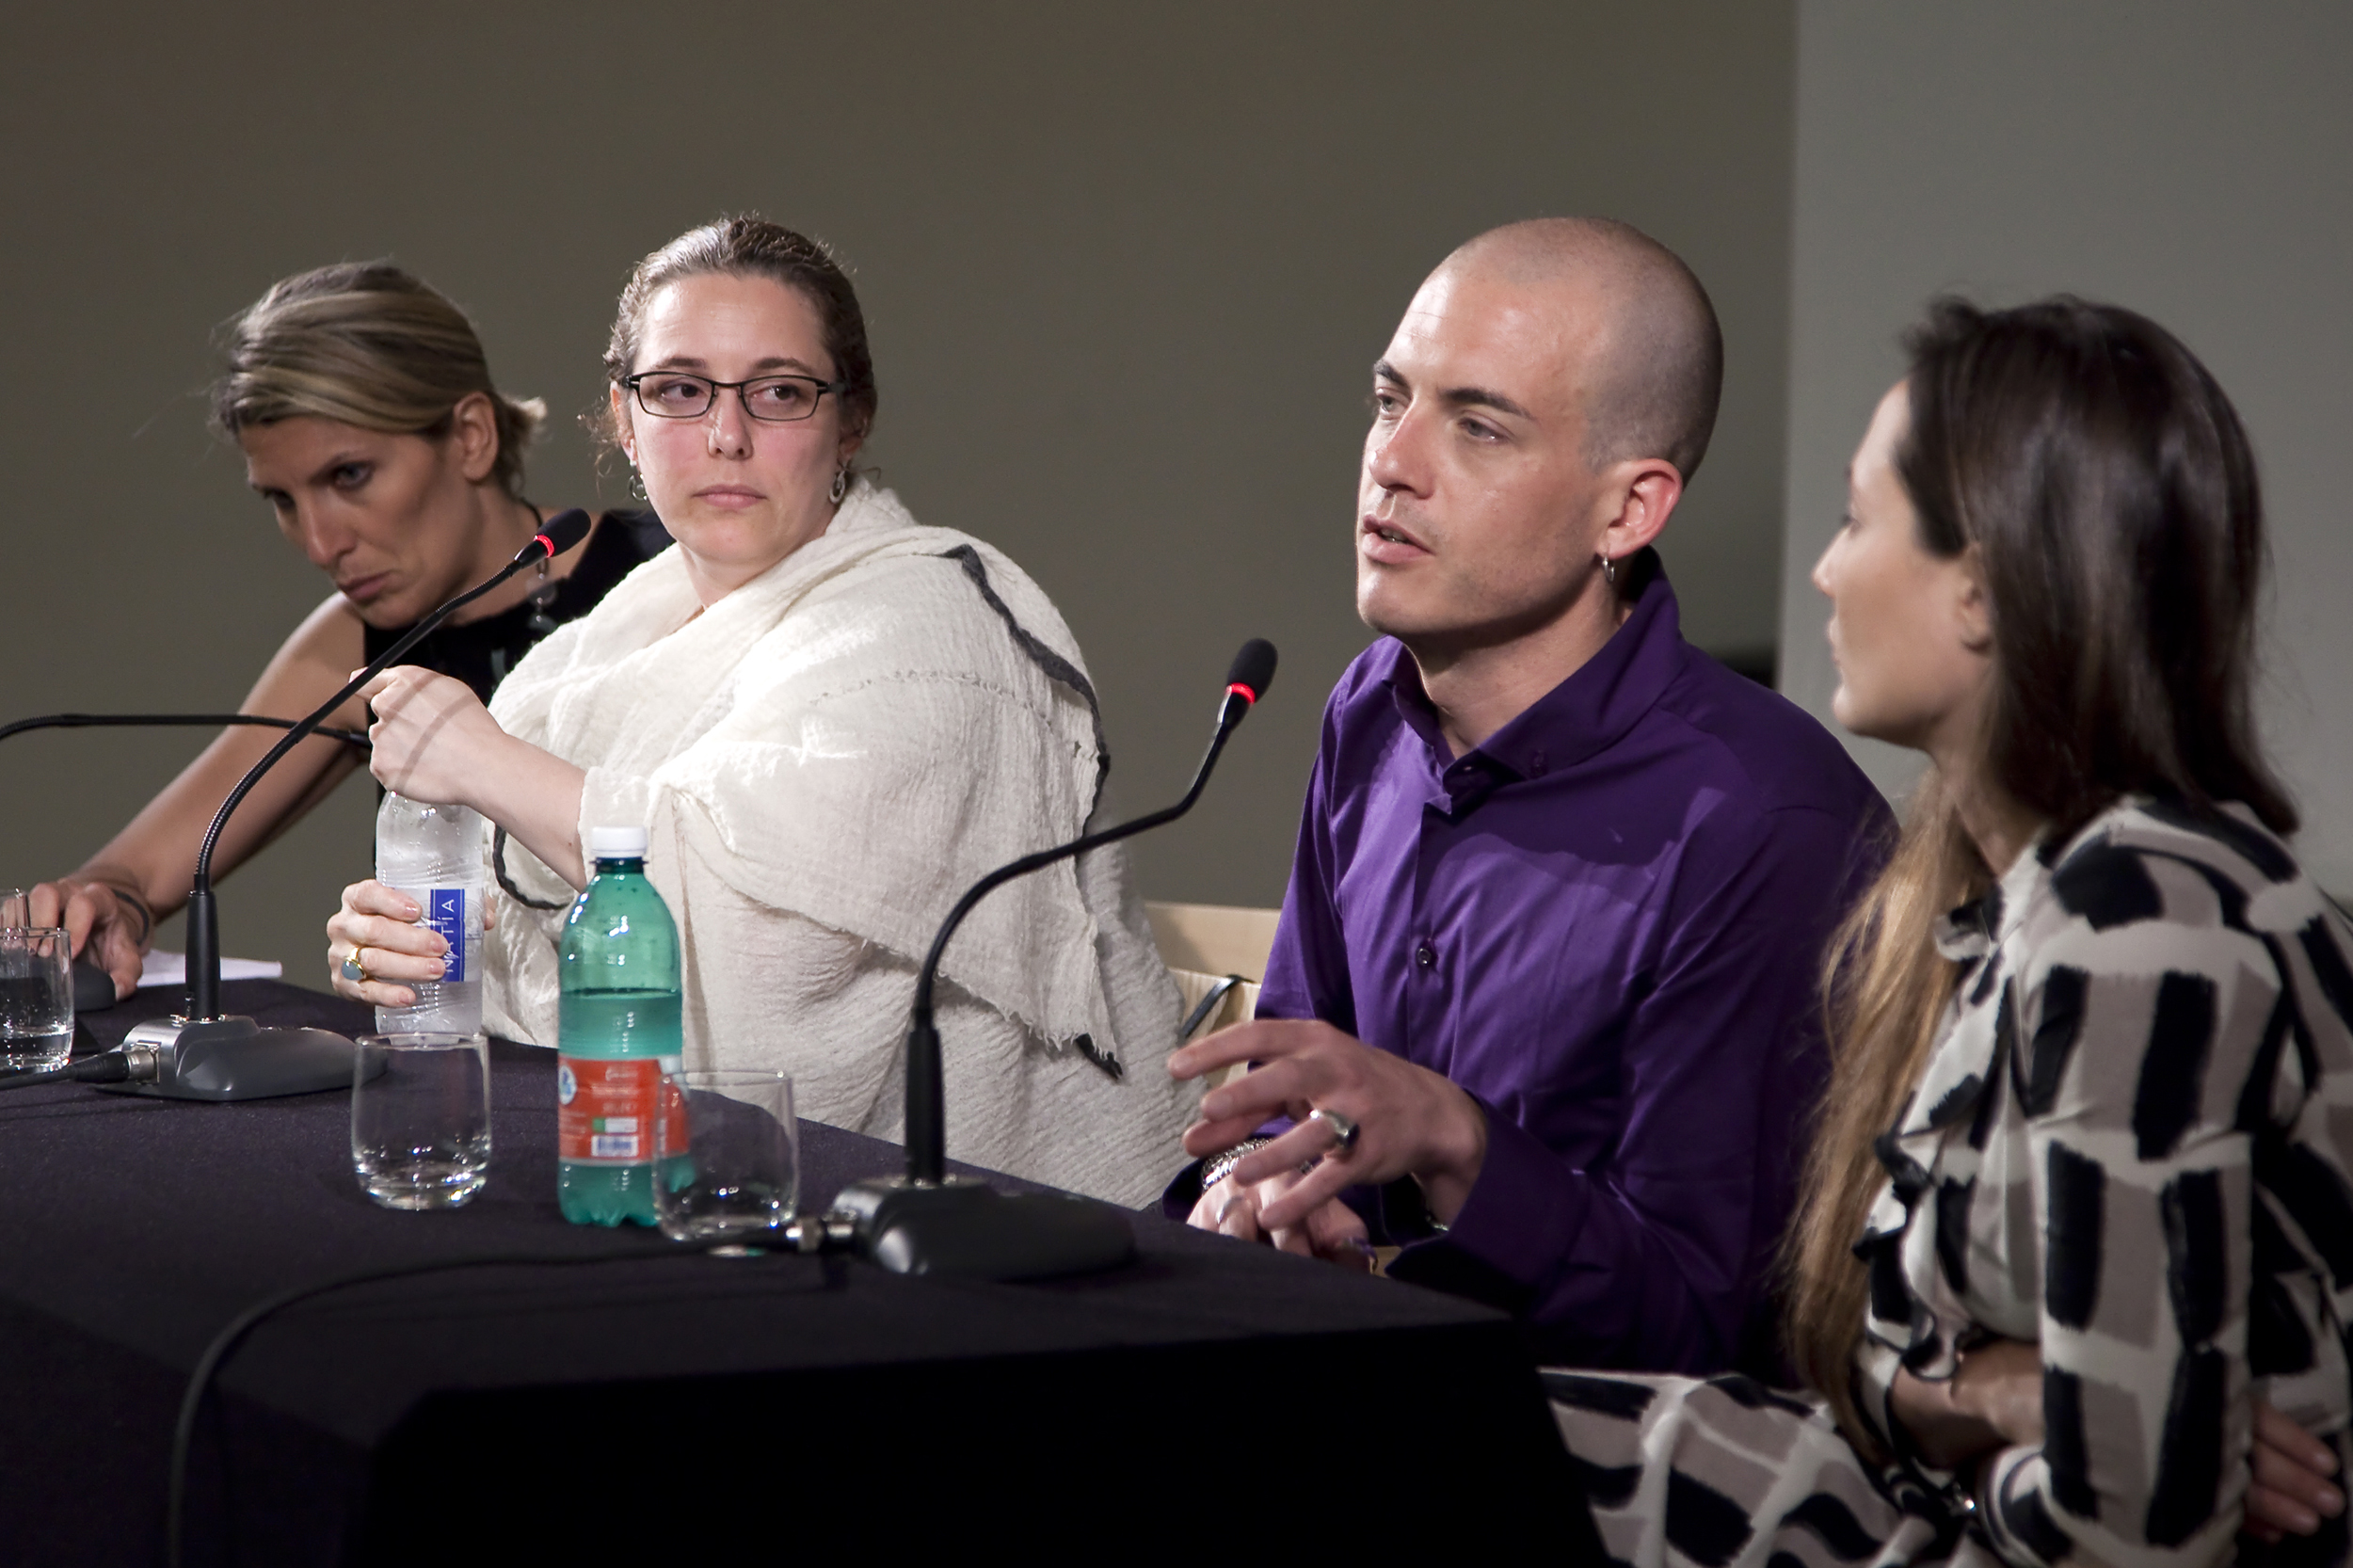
[473, 425]
[1646, 490]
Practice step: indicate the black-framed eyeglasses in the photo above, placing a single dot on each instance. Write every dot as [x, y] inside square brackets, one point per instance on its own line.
[777, 399]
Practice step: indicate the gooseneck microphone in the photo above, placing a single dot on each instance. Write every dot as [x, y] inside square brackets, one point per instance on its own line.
[929, 1222]
[93, 987]
[206, 1055]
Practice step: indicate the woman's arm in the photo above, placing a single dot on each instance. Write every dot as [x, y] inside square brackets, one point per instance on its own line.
[2136, 1038]
[435, 742]
[1993, 1400]
[154, 859]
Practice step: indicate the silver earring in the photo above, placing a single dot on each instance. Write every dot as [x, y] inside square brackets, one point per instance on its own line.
[637, 484]
[841, 483]
[1610, 572]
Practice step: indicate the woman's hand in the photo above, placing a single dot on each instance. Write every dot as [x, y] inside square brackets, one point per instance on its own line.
[378, 928]
[1995, 1400]
[435, 742]
[102, 920]
[433, 739]
[2290, 1493]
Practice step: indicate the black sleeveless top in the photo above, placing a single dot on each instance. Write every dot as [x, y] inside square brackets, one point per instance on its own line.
[481, 652]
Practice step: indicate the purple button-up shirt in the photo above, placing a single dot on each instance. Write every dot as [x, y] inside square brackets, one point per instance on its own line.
[1606, 923]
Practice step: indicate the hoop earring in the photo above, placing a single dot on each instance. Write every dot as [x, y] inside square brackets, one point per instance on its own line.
[840, 485]
[637, 484]
[1610, 572]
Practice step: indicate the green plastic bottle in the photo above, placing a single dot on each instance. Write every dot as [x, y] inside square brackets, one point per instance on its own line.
[616, 1031]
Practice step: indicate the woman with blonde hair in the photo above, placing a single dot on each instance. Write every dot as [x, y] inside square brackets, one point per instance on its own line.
[365, 412]
[2074, 1270]
[830, 720]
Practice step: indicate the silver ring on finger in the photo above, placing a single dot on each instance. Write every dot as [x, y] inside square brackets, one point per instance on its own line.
[353, 969]
[1343, 1130]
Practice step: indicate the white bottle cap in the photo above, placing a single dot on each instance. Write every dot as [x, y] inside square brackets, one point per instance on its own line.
[617, 843]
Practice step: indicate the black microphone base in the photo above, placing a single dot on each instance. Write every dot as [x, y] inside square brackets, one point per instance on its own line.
[964, 1229]
[234, 1058]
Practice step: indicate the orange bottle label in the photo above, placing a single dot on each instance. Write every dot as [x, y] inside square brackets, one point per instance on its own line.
[605, 1109]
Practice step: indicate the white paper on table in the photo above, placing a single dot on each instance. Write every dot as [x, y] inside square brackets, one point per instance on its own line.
[171, 968]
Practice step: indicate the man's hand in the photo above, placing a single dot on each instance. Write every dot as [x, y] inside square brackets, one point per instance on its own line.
[1335, 1233]
[1409, 1120]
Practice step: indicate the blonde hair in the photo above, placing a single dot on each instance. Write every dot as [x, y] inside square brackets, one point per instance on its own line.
[1885, 987]
[366, 344]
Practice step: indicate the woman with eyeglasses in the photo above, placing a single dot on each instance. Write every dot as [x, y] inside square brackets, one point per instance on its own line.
[365, 407]
[830, 720]
[2073, 1273]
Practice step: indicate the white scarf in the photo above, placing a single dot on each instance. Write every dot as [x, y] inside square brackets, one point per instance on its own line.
[853, 737]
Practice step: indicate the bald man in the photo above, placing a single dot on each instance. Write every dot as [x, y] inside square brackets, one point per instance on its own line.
[1542, 1007]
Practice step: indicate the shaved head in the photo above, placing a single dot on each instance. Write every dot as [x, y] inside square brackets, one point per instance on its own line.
[1655, 358]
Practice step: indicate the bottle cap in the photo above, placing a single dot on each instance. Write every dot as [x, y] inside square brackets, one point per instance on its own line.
[617, 843]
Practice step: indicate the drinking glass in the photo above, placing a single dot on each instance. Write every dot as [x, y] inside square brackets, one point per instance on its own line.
[728, 1155]
[36, 997]
[421, 1118]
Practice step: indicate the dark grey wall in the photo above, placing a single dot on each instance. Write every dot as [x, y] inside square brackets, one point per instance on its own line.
[2189, 162]
[1126, 270]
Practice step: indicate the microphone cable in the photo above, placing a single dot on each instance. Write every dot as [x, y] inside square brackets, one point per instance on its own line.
[123, 1065]
[241, 1327]
[162, 720]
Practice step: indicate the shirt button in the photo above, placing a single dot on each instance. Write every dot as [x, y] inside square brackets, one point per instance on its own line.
[1536, 764]
[1425, 956]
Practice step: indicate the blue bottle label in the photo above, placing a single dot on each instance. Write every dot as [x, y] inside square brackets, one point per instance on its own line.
[445, 911]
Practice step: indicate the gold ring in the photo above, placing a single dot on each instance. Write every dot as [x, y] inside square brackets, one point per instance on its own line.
[353, 971]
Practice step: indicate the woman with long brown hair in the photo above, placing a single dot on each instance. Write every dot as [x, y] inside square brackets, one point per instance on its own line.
[2078, 1203]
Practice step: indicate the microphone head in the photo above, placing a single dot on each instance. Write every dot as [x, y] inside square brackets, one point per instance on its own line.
[560, 533]
[1253, 669]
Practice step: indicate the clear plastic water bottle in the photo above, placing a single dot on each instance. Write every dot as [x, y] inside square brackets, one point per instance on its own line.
[616, 1031]
[433, 854]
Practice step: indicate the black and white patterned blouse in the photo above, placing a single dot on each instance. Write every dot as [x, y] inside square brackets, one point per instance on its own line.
[2130, 1147]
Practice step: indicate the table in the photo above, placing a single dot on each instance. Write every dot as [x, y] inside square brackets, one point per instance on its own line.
[626, 1388]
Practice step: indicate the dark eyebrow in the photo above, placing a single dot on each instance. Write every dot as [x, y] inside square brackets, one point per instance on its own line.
[1480, 397]
[1459, 397]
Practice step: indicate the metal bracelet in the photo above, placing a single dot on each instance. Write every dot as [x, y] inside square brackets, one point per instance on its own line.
[1219, 1166]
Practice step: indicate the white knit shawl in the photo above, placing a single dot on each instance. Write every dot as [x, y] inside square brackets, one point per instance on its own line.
[823, 759]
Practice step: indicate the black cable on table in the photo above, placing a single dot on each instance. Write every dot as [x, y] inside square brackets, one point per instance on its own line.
[226, 1342]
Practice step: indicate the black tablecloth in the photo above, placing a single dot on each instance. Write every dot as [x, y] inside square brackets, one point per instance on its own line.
[537, 1407]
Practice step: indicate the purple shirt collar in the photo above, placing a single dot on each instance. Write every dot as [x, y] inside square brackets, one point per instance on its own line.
[1589, 712]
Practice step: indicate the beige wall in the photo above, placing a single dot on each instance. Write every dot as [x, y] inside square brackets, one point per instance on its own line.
[1125, 269]
[2189, 162]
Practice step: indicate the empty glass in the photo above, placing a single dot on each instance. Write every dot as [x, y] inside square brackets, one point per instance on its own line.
[737, 1169]
[35, 995]
[421, 1118]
